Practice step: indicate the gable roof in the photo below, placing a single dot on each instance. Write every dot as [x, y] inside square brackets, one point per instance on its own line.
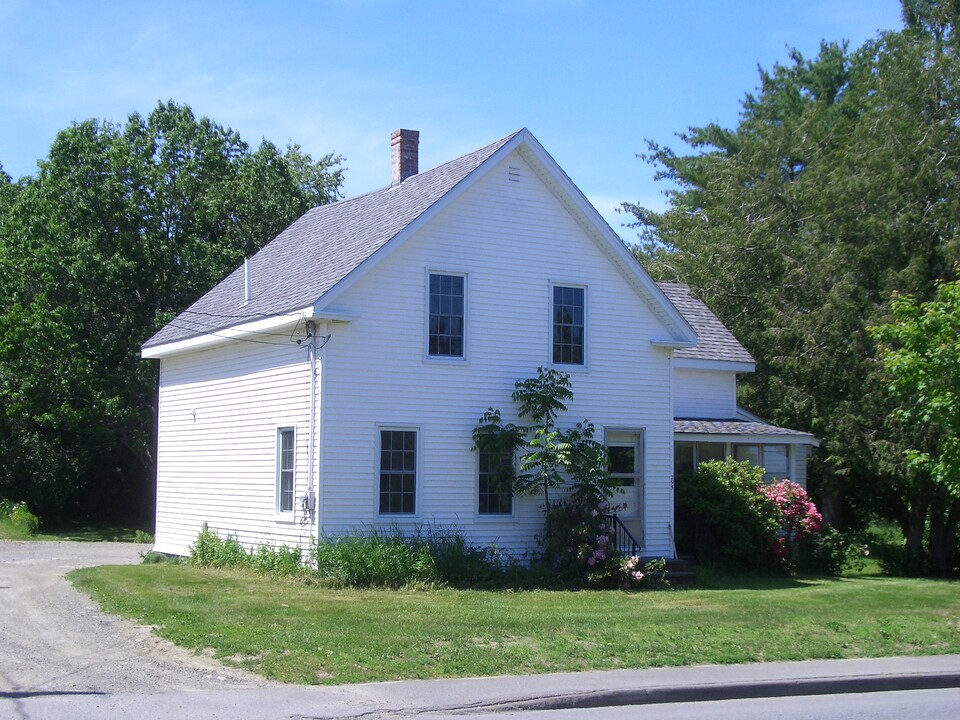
[714, 341]
[318, 250]
[310, 262]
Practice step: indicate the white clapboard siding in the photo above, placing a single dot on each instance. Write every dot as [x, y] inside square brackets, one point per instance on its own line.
[511, 239]
[220, 410]
[704, 394]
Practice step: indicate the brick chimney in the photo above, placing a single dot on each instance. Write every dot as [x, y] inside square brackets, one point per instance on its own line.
[404, 149]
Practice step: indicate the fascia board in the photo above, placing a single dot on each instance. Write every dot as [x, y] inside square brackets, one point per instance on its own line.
[726, 365]
[759, 439]
[225, 335]
[590, 219]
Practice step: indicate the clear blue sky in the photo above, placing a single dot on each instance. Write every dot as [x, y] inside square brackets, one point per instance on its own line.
[592, 80]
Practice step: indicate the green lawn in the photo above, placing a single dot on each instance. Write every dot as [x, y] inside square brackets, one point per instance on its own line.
[302, 634]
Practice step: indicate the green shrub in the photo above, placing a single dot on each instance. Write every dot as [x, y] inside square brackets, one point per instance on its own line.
[578, 547]
[374, 561]
[16, 520]
[885, 542]
[142, 537]
[459, 564]
[830, 552]
[211, 550]
[724, 519]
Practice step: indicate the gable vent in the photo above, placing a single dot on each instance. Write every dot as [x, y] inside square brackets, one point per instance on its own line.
[513, 173]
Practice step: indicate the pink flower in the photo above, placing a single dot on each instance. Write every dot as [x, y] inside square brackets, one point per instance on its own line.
[591, 561]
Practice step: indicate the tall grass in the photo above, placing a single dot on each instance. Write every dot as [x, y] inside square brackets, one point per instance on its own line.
[377, 559]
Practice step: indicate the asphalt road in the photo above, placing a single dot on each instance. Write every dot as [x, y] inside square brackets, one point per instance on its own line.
[56, 640]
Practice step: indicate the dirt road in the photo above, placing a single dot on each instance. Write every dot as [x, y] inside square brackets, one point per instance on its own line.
[56, 640]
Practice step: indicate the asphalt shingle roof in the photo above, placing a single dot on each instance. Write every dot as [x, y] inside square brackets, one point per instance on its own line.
[714, 341]
[319, 250]
[732, 427]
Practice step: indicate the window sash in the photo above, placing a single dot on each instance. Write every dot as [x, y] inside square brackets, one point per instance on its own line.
[447, 315]
[286, 458]
[569, 325]
[398, 472]
[494, 499]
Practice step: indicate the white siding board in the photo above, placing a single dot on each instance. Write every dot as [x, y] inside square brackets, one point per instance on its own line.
[704, 394]
[220, 468]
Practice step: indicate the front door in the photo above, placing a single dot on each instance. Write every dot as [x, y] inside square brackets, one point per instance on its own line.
[625, 453]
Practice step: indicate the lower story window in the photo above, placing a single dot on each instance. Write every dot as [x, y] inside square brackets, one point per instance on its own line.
[772, 458]
[496, 493]
[687, 456]
[398, 472]
[285, 470]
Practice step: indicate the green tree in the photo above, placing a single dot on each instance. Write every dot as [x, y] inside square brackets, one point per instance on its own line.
[920, 351]
[121, 228]
[550, 457]
[836, 189]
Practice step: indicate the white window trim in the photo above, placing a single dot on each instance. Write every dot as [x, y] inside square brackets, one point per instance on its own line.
[418, 477]
[485, 517]
[570, 367]
[444, 359]
[285, 515]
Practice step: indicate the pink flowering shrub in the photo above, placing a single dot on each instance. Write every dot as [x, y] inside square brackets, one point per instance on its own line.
[635, 574]
[799, 516]
[580, 544]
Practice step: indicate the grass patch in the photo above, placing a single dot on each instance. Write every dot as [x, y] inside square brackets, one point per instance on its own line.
[92, 532]
[293, 632]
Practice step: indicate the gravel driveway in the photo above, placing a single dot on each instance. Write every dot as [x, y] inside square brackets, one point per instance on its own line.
[57, 640]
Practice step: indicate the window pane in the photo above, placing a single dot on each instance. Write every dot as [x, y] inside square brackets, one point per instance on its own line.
[775, 461]
[568, 325]
[683, 458]
[750, 453]
[446, 316]
[622, 459]
[707, 451]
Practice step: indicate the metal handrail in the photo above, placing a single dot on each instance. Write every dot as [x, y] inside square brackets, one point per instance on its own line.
[624, 542]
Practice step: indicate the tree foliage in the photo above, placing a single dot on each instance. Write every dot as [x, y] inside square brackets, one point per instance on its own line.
[121, 228]
[836, 189]
[920, 351]
[550, 456]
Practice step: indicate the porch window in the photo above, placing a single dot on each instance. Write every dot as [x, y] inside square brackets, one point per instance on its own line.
[687, 456]
[774, 459]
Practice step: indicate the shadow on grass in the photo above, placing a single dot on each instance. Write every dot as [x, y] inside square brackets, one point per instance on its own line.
[89, 532]
[708, 579]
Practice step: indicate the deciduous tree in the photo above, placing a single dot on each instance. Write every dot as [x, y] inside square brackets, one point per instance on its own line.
[121, 228]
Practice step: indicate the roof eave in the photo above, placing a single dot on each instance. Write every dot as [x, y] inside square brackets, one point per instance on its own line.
[242, 332]
[737, 366]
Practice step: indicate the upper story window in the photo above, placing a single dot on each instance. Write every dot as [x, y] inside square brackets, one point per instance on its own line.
[569, 329]
[285, 470]
[446, 315]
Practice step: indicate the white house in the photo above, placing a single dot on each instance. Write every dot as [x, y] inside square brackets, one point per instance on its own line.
[331, 384]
